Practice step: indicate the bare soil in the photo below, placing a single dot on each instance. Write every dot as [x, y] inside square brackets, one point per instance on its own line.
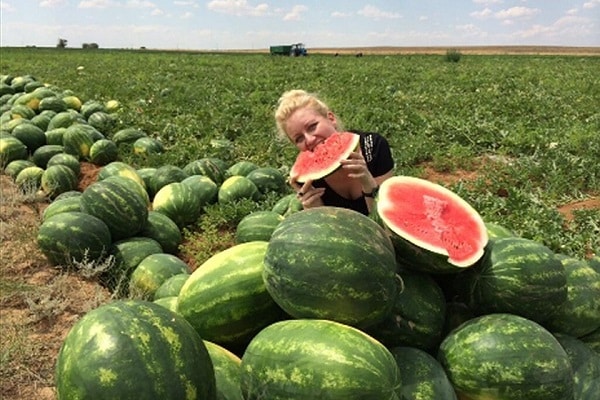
[39, 303]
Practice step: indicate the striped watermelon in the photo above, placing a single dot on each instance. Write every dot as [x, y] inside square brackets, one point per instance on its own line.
[506, 357]
[225, 298]
[164, 175]
[579, 315]
[134, 350]
[146, 146]
[120, 168]
[58, 179]
[518, 276]
[204, 188]
[13, 168]
[103, 152]
[71, 203]
[287, 205]
[241, 168]
[152, 272]
[164, 230]
[77, 141]
[228, 369]
[127, 136]
[237, 188]
[417, 318]
[130, 252]
[29, 179]
[30, 135]
[171, 286]
[73, 236]
[179, 202]
[332, 263]
[65, 159]
[258, 225]
[123, 210]
[170, 303]
[586, 366]
[317, 359]
[268, 179]
[208, 167]
[11, 149]
[423, 377]
[44, 153]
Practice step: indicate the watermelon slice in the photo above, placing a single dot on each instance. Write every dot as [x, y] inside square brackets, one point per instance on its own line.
[433, 218]
[325, 158]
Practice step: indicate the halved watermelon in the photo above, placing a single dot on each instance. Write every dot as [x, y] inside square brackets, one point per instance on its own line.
[325, 158]
[432, 218]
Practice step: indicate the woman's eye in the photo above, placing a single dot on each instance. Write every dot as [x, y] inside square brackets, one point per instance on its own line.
[312, 127]
[299, 139]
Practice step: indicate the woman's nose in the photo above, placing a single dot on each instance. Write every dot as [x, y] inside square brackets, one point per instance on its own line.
[309, 141]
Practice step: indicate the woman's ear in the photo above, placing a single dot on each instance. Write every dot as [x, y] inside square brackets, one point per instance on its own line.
[332, 118]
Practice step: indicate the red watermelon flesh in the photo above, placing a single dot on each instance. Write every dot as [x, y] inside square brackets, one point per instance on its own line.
[325, 158]
[432, 217]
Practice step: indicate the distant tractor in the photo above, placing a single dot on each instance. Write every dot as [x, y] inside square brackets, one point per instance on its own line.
[293, 50]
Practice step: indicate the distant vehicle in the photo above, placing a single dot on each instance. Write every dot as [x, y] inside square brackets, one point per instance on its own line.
[293, 50]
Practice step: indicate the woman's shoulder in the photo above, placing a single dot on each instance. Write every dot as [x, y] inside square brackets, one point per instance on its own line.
[371, 139]
[366, 135]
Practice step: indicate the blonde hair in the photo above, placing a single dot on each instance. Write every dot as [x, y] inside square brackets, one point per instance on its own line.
[293, 100]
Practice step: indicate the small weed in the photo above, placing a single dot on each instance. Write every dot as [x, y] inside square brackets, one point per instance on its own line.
[453, 55]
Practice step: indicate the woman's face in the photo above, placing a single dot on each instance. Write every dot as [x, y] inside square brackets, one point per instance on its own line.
[306, 128]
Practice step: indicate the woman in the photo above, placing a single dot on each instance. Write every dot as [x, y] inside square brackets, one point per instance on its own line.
[307, 121]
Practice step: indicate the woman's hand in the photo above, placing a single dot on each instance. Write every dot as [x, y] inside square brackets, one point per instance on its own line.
[308, 195]
[356, 166]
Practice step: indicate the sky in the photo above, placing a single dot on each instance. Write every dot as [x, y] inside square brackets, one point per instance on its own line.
[249, 24]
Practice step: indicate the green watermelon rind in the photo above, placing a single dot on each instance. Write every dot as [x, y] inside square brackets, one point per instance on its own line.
[225, 298]
[134, 350]
[332, 263]
[317, 359]
[506, 356]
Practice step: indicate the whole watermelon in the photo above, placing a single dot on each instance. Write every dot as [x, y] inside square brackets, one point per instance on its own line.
[506, 357]
[317, 359]
[332, 263]
[124, 211]
[73, 236]
[134, 350]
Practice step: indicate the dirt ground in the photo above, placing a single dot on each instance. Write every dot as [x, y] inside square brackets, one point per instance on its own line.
[39, 303]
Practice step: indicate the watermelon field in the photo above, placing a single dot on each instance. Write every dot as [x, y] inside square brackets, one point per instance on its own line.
[147, 225]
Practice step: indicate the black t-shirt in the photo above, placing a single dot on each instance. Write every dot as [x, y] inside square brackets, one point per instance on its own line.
[378, 156]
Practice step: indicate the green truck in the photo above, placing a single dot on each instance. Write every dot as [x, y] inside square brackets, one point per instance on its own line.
[294, 50]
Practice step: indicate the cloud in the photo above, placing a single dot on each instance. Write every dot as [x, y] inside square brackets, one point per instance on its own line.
[340, 14]
[238, 8]
[157, 12]
[485, 13]
[5, 7]
[97, 4]
[591, 4]
[139, 4]
[295, 14]
[51, 3]
[567, 26]
[517, 12]
[373, 12]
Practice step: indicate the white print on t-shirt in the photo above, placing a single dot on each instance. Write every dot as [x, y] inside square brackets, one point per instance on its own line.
[368, 154]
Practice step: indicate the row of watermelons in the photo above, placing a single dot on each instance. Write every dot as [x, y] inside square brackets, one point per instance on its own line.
[321, 303]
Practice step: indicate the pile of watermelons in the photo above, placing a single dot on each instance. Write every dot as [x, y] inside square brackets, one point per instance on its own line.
[324, 303]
